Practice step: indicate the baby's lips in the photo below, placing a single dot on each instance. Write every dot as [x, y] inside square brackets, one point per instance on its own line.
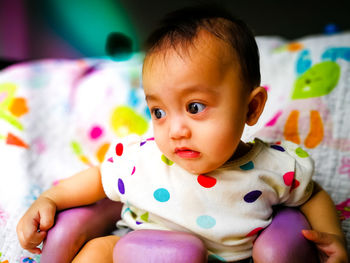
[186, 153]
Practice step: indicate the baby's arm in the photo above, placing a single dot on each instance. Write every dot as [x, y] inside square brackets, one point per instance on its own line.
[326, 233]
[81, 189]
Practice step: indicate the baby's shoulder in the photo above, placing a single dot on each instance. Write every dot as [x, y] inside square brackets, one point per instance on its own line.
[282, 152]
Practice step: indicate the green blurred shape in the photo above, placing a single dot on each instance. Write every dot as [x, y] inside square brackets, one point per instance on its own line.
[76, 148]
[88, 23]
[125, 120]
[317, 81]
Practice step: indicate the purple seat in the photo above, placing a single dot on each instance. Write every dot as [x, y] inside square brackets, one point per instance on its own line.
[159, 246]
[281, 242]
[74, 227]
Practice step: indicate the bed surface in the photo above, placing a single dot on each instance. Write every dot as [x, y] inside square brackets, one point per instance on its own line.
[58, 117]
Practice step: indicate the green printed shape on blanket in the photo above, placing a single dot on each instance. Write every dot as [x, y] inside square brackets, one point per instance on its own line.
[76, 148]
[317, 81]
[7, 95]
[125, 120]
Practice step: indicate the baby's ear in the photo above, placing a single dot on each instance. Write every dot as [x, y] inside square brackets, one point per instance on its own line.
[257, 99]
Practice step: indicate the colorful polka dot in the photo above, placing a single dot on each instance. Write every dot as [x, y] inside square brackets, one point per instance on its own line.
[277, 147]
[273, 121]
[166, 160]
[23, 260]
[39, 145]
[119, 149]
[206, 221]
[110, 159]
[145, 217]
[295, 184]
[126, 210]
[101, 152]
[138, 222]
[121, 186]
[254, 231]
[161, 195]
[206, 181]
[248, 166]
[56, 182]
[95, 132]
[212, 257]
[18, 107]
[84, 159]
[301, 153]
[133, 170]
[133, 214]
[149, 139]
[252, 196]
[288, 178]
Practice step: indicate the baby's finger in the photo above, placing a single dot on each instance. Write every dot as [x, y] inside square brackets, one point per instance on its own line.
[47, 217]
[30, 238]
[33, 245]
[317, 237]
[34, 250]
[24, 232]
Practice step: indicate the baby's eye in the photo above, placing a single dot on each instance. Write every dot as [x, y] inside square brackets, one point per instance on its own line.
[158, 113]
[195, 107]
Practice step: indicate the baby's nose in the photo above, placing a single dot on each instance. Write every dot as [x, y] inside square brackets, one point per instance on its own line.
[179, 129]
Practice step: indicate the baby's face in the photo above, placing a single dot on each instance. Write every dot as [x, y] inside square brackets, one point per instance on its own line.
[198, 103]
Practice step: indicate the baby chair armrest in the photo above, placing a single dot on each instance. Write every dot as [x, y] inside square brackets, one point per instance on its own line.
[282, 240]
[74, 227]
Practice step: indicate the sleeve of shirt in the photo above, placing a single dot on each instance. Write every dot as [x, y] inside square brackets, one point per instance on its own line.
[299, 181]
[116, 165]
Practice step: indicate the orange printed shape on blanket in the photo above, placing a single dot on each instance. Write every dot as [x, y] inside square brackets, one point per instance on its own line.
[316, 132]
[14, 140]
[291, 132]
[19, 107]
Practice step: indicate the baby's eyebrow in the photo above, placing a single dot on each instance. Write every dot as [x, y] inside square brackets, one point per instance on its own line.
[150, 97]
[187, 91]
[201, 88]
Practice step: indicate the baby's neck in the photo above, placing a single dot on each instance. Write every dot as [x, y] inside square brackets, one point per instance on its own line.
[242, 149]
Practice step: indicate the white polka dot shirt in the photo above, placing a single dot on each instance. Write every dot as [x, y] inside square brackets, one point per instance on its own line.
[226, 208]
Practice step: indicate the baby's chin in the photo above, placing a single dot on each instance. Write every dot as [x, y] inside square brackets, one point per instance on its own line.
[199, 170]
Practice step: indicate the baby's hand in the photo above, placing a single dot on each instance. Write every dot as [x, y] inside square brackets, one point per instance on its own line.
[331, 247]
[33, 226]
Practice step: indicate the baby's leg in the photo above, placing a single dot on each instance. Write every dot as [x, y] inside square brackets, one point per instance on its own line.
[97, 250]
[159, 246]
[283, 242]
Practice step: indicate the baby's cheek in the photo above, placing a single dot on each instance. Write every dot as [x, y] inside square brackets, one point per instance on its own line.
[225, 148]
[162, 142]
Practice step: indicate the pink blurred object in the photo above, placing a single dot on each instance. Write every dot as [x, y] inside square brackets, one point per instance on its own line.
[280, 242]
[159, 246]
[74, 227]
[283, 242]
[344, 209]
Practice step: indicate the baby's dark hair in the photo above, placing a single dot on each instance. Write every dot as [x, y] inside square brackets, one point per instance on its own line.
[181, 27]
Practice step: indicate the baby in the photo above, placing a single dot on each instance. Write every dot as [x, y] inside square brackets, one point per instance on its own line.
[201, 80]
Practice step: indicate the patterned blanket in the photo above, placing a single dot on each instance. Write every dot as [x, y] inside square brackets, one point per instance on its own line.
[58, 117]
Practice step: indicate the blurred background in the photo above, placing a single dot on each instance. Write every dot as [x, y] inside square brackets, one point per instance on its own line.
[35, 29]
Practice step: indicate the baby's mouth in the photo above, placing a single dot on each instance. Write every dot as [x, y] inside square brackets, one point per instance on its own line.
[186, 153]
